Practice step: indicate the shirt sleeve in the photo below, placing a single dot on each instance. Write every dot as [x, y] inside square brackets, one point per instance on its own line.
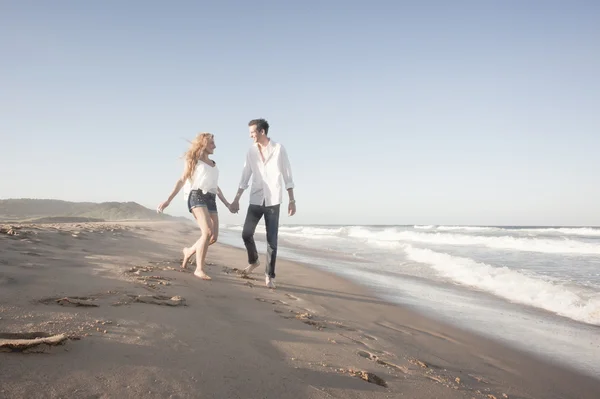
[246, 173]
[286, 168]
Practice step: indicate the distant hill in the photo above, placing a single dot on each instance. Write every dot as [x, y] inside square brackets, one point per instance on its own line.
[49, 210]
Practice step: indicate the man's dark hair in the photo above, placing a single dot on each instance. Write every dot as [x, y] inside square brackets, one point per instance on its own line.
[261, 124]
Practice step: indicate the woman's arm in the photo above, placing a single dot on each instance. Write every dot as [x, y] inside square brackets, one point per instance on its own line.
[222, 197]
[178, 184]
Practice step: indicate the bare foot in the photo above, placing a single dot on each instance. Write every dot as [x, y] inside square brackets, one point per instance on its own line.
[186, 257]
[202, 275]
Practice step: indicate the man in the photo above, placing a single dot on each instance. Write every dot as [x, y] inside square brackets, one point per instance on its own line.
[267, 163]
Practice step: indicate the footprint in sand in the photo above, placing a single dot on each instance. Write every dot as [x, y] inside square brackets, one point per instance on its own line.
[271, 301]
[376, 359]
[25, 342]
[357, 341]
[30, 253]
[160, 280]
[365, 375]
[307, 318]
[238, 272]
[7, 280]
[138, 270]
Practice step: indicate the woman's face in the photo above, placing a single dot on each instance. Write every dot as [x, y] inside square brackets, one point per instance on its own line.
[210, 147]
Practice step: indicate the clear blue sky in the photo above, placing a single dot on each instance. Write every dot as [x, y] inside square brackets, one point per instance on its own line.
[395, 112]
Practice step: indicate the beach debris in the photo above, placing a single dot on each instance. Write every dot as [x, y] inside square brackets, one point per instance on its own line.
[76, 301]
[21, 342]
[418, 363]
[457, 380]
[436, 379]
[479, 378]
[249, 284]
[159, 300]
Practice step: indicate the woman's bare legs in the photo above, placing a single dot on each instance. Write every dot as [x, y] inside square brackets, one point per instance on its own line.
[215, 227]
[189, 252]
[201, 246]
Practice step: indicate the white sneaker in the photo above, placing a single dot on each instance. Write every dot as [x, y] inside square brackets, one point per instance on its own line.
[270, 282]
[251, 267]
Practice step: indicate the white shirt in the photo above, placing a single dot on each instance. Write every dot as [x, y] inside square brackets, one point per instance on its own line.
[267, 172]
[205, 178]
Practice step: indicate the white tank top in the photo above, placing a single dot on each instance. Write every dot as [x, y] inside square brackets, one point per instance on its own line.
[205, 178]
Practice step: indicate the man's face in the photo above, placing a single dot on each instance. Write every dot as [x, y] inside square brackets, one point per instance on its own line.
[255, 134]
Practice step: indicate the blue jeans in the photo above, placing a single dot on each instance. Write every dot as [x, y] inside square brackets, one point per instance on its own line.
[271, 214]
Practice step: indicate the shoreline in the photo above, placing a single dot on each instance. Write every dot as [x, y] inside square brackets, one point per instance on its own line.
[317, 335]
[537, 330]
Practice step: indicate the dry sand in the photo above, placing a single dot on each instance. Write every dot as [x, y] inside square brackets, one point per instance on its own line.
[101, 310]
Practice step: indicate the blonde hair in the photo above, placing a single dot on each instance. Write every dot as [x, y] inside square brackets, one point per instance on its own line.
[192, 155]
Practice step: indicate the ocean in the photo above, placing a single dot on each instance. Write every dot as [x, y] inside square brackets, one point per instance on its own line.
[533, 288]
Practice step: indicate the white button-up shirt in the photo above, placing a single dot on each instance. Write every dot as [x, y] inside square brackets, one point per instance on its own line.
[267, 172]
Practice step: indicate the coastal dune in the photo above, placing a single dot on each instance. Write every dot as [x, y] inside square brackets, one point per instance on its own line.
[103, 310]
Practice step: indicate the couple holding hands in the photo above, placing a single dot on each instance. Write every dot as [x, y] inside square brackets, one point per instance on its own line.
[268, 164]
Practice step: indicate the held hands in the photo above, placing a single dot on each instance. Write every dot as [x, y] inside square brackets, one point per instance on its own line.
[162, 206]
[234, 207]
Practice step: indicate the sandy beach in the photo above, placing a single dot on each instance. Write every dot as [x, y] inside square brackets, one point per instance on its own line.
[103, 310]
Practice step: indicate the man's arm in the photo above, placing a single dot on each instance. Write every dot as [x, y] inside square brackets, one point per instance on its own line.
[246, 174]
[286, 173]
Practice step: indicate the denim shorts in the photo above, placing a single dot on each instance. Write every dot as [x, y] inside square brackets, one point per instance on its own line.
[198, 199]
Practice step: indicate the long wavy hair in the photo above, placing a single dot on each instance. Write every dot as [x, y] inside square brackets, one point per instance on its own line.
[192, 155]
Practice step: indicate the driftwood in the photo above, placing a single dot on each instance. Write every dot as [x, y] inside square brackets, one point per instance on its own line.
[18, 342]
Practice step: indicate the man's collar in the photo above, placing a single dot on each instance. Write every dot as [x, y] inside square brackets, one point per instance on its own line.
[269, 143]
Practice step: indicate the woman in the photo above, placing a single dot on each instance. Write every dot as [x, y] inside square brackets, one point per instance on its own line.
[201, 176]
